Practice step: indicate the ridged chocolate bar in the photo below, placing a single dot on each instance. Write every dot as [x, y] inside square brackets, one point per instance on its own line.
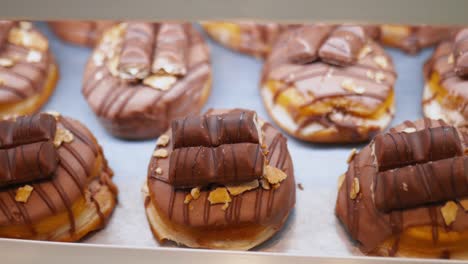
[27, 129]
[461, 53]
[27, 152]
[343, 46]
[421, 184]
[303, 44]
[225, 164]
[171, 50]
[137, 51]
[396, 150]
[215, 130]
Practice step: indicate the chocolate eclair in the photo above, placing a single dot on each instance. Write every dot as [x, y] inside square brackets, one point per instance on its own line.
[446, 77]
[83, 33]
[222, 180]
[406, 193]
[413, 39]
[142, 75]
[55, 183]
[329, 84]
[248, 37]
[28, 72]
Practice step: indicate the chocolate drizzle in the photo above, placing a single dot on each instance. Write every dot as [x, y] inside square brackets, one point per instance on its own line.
[461, 53]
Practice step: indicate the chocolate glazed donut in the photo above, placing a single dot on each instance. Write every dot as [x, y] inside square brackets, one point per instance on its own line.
[55, 183]
[83, 33]
[142, 75]
[28, 72]
[405, 194]
[229, 187]
[329, 84]
[413, 39]
[446, 81]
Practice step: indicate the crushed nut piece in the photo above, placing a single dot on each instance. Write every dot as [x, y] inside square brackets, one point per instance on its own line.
[379, 77]
[350, 85]
[354, 189]
[225, 206]
[299, 185]
[449, 212]
[450, 59]
[112, 66]
[265, 184]
[160, 82]
[98, 58]
[351, 155]
[62, 136]
[160, 153]
[6, 62]
[370, 74]
[98, 76]
[188, 198]
[163, 140]
[23, 193]
[158, 170]
[274, 175]
[219, 195]
[409, 130]
[240, 188]
[405, 187]
[195, 192]
[381, 61]
[464, 204]
[28, 39]
[276, 186]
[341, 180]
[34, 56]
[365, 51]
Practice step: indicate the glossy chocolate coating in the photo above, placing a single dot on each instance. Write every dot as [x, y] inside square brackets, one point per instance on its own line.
[461, 53]
[225, 164]
[27, 151]
[304, 43]
[421, 184]
[133, 109]
[371, 226]
[258, 206]
[215, 130]
[396, 150]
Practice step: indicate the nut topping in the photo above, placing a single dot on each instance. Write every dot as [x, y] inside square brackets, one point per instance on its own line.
[449, 212]
[23, 193]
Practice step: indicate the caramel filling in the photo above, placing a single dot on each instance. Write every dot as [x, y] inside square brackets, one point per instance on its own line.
[393, 34]
[291, 98]
[33, 103]
[54, 222]
[442, 96]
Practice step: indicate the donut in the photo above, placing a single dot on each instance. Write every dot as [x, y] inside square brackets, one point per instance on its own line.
[222, 180]
[446, 77]
[55, 183]
[28, 71]
[142, 75]
[248, 37]
[329, 84]
[404, 194]
[83, 33]
[412, 39]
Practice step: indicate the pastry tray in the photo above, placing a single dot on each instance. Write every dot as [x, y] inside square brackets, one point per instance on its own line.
[311, 235]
